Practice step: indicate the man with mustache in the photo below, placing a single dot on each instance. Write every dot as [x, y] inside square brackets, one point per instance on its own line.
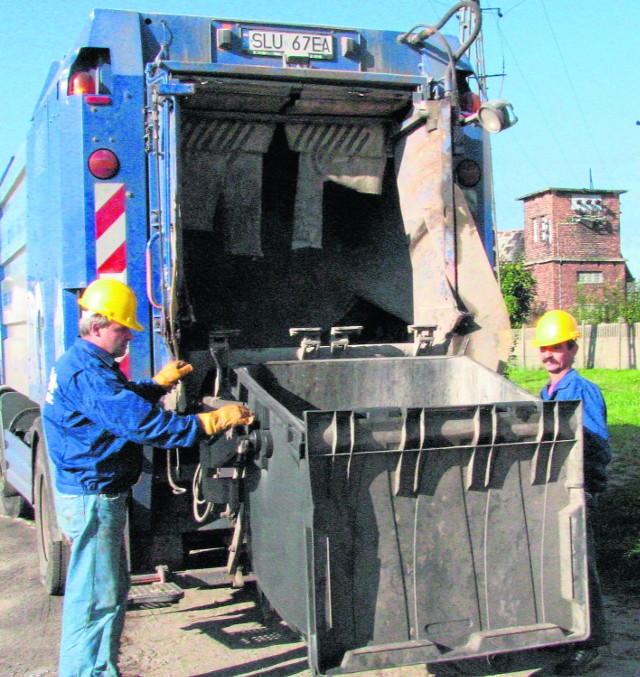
[556, 334]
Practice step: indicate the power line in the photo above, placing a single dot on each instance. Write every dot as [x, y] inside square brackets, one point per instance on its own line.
[512, 8]
[550, 128]
[437, 11]
[575, 93]
[503, 73]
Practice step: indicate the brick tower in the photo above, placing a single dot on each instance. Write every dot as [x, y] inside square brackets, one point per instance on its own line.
[571, 238]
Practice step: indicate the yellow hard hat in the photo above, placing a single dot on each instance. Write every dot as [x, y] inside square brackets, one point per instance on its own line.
[113, 299]
[556, 326]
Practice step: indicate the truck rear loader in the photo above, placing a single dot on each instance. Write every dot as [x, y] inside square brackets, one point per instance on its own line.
[305, 214]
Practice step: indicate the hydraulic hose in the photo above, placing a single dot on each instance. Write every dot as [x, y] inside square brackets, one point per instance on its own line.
[414, 39]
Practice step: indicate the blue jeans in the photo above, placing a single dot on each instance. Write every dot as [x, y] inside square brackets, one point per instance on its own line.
[97, 585]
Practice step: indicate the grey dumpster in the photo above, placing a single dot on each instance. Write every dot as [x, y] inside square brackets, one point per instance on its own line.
[415, 510]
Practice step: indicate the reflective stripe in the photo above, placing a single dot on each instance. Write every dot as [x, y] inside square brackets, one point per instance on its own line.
[111, 232]
[111, 237]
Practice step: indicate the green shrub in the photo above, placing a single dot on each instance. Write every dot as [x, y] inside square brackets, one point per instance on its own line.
[597, 304]
[518, 288]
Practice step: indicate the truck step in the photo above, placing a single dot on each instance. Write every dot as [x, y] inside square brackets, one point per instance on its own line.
[155, 593]
[154, 588]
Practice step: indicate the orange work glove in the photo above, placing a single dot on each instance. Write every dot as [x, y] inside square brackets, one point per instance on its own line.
[172, 372]
[215, 422]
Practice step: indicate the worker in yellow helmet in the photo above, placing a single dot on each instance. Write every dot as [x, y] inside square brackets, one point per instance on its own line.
[96, 422]
[556, 336]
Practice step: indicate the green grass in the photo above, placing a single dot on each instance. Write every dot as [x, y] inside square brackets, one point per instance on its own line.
[618, 516]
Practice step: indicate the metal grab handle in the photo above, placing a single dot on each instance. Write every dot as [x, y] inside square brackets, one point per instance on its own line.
[149, 271]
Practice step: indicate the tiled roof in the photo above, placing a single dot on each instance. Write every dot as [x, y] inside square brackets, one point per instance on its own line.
[510, 244]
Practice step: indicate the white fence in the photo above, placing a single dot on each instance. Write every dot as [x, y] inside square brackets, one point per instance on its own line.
[602, 346]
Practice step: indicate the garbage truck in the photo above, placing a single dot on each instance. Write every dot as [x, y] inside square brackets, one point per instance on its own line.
[305, 215]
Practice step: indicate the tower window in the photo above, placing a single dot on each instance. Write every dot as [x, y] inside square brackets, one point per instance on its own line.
[545, 230]
[590, 277]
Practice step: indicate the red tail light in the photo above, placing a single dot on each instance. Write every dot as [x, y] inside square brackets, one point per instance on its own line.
[104, 164]
[82, 83]
[98, 100]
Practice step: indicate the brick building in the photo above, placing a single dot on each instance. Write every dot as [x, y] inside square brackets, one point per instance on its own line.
[572, 238]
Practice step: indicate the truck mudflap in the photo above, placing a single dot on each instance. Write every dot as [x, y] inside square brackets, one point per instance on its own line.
[399, 515]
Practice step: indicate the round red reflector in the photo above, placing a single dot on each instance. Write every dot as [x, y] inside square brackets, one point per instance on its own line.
[82, 83]
[468, 173]
[104, 164]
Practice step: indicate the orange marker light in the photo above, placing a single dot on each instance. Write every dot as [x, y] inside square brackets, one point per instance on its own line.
[82, 83]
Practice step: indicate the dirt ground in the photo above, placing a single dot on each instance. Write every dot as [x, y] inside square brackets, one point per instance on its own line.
[212, 631]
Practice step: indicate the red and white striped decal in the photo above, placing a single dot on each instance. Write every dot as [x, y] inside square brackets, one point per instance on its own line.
[111, 235]
[111, 238]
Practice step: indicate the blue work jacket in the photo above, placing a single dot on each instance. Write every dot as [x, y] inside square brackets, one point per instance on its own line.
[597, 451]
[95, 421]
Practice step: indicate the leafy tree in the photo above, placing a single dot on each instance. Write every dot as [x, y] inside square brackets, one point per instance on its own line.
[518, 289]
[607, 303]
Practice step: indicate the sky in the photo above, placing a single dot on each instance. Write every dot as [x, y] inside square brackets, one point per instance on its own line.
[568, 68]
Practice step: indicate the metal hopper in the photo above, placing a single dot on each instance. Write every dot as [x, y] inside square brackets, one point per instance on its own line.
[414, 510]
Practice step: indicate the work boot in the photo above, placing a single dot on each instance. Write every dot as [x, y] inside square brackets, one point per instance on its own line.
[579, 662]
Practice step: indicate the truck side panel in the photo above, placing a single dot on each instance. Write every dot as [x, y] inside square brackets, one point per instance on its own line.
[67, 208]
[15, 346]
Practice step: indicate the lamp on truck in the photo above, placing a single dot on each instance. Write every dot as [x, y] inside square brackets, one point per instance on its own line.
[104, 164]
[468, 173]
[494, 116]
[82, 83]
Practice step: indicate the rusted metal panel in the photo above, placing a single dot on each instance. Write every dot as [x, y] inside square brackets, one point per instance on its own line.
[425, 187]
[453, 280]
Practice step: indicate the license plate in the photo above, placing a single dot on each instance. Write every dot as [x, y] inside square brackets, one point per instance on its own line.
[277, 43]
